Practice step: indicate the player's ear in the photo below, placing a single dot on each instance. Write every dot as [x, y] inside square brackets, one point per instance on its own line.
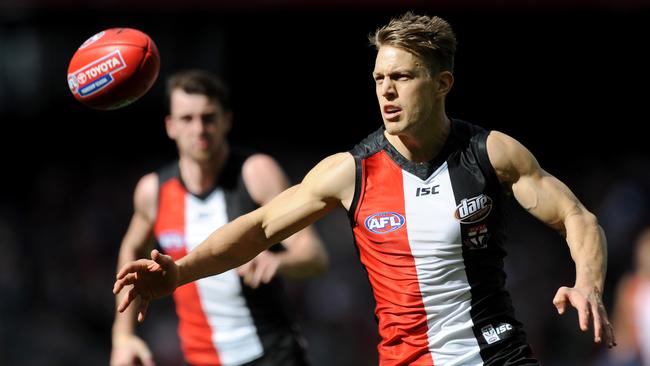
[170, 128]
[227, 121]
[445, 82]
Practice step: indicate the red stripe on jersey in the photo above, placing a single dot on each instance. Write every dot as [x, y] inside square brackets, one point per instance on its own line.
[391, 267]
[194, 331]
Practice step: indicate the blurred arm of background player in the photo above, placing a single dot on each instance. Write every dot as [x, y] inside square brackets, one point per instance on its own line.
[128, 349]
[304, 256]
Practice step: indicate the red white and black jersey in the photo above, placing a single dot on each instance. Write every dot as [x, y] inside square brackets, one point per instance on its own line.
[430, 236]
[221, 320]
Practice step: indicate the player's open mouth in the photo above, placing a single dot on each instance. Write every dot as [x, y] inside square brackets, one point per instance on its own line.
[391, 112]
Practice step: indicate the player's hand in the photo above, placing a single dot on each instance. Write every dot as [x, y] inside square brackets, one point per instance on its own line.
[260, 269]
[130, 350]
[151, 279]
[588, 302]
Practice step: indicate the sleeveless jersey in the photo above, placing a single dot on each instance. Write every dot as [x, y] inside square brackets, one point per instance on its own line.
[221, 321]
[431, 239]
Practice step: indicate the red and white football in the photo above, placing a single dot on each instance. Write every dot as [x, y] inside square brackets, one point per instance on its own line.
[113, 68]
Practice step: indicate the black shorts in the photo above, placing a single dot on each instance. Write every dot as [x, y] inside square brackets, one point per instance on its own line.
[512, 354]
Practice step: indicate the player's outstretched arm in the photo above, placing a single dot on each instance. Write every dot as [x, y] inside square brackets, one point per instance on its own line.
[552, 202]
[328, 185]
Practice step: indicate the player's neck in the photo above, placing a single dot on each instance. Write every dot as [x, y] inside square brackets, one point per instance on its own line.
[422, 145]
[200, 176]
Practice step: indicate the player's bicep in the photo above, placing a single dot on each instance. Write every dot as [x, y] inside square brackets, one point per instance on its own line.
[546, 198]
[323, 189]
[139, 235]
[537, 191]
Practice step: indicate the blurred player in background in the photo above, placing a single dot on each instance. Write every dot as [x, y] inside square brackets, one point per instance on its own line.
[238, 317]
[632, 310]
[426, 196]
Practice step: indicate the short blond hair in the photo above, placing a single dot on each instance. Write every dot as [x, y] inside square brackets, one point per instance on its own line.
[430, 38]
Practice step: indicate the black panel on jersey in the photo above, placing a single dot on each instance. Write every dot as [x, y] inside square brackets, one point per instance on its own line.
[492, 313]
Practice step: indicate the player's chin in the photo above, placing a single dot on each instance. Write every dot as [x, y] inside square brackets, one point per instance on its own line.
[393, 127]
[202, 154]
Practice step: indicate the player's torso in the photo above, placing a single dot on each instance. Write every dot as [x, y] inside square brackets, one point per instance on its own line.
[221, 321]
[431, 241]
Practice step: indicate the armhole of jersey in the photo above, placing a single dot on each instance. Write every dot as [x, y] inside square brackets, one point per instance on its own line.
[163, 175]
[358, 189]
[484, 158]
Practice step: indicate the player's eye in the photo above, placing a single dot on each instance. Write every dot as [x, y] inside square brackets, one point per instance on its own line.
[210, 118]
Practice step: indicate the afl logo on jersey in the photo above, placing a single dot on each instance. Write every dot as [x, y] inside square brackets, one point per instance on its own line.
[171, 240]
[475, 209]
[384, 222]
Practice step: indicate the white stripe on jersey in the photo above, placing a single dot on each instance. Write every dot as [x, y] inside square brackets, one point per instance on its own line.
[435, 241]
[233, 330]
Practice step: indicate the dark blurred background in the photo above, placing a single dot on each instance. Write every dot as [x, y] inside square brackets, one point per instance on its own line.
[568, 79]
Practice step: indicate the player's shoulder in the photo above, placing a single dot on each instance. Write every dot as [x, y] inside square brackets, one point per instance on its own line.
[145, 196]
[147, 184]
[259, 162]
[333, 177]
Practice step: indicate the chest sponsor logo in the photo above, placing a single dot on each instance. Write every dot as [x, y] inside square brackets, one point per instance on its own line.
[171, 240]
[475, 209]
[384, 222]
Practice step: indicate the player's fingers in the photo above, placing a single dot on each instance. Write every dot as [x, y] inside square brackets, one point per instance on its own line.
[128, 299]
[142, 309]
[148, 361]
[607, 330]
[269, 273]
[132, 267]
[129, 279]
[258, 274]
[611, 337]
[583, 313]
[598, 321]
[162, 259]
[560, 300]
[145, 355]
[118, 286]
[244, 268]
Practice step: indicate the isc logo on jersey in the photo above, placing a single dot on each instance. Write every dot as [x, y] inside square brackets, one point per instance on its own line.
[494, 334]
[475, 209]
[96, 75]
[384, 222]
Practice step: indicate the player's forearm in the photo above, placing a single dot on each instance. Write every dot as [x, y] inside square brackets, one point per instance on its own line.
[228, 247]
[587, 243]
[124, 323]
